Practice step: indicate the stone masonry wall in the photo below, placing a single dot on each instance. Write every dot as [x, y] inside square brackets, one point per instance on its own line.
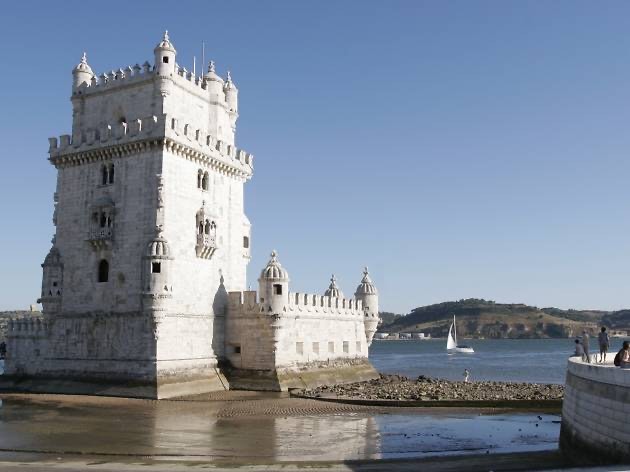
[596, 412]
[313, 329]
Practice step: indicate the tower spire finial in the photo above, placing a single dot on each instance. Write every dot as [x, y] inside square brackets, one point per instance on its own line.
[84, 58]
[166, 35]
[211, 66]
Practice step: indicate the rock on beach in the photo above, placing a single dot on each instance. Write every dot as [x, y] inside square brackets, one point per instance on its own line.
[398, 387]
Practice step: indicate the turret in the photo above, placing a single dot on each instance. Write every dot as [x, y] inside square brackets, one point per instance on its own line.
[156, 289]
[231, 99]
[81, 74]
[52, 282]
[367, 293]
[273, 286]
[231, 94]
[165, 56]
[214, 83]
[333, 290]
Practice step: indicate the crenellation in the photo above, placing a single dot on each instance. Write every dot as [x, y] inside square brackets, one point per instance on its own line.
[153, 127]
[116, 78]
[64, 141]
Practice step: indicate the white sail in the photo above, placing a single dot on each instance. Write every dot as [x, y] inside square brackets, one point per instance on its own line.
[451, 343]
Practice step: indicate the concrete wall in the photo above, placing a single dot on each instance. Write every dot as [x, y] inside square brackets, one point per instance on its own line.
[596, 412]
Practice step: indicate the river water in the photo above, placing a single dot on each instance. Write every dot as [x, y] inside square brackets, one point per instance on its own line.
[519, 360]
[194, 430]
[197, 430]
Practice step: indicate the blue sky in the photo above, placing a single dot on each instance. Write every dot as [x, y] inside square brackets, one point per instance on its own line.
[460, 149]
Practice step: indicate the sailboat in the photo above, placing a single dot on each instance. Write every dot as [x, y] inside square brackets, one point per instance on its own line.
[451, 343]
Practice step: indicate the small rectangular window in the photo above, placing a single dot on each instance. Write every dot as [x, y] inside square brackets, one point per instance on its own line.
[156, 267]
[346, 347]
[316, 348]
[237, 349]
[331, 347]
[245, 242]
[299, 348]
[165, 59]
[277, 289]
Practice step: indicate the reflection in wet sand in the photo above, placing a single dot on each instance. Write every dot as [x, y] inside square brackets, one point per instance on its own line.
[216, 431]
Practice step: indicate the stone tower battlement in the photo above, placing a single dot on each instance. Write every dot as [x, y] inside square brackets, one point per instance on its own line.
[132, 75]
[119, 139]
[298, 303]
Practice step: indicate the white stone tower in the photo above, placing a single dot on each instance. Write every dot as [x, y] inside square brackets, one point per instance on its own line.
[366, 292]
[150, 231]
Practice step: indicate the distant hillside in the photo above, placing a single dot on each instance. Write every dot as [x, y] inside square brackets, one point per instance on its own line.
[478, 318]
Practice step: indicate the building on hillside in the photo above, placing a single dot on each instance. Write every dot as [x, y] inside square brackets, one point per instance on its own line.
[143, 289]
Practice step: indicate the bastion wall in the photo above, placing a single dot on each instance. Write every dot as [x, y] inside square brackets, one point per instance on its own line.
[596, 412]
[313, 340]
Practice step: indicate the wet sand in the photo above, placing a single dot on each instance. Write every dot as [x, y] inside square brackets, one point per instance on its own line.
[503, 462]
[233, 428]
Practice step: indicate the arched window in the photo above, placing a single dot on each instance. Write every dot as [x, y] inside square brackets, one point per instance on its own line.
[104, 175]
[204, 181]
[103, 220]
[207, 227]
[201, 227]
[246, 242]
[199, 178]
[103, 271]
[111, 174]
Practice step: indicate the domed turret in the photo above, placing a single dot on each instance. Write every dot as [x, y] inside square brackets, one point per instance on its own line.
[156, 262]
[52, 282]
[231, 94]
[333, 290]
[367, 293]
[214, 83]
[82, 73]
[158, 248]
[165, 56]
[273, 286]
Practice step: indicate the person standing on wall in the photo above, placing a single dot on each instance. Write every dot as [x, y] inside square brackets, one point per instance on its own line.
[585, 340]
[604, 343]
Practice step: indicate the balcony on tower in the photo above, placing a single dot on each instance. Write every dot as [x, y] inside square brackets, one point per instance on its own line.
[101, 230]
[206, 233]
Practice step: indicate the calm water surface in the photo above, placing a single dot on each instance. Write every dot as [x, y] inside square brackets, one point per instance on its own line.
[197, 430]
[521, 360]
